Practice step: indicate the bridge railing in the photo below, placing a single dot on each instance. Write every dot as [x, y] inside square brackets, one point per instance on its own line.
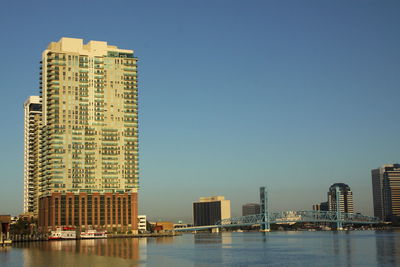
[299, 216]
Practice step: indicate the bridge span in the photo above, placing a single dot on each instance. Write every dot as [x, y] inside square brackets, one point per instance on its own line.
[287, 217]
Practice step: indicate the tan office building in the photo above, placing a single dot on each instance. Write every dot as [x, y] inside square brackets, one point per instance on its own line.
[90, 149]
[32, 130]
[209, 210]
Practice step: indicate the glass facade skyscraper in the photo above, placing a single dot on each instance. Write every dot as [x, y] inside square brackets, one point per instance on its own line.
[386, 192]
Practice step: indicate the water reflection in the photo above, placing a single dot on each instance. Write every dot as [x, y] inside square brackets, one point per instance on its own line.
[387, 248]
[162, 240]
[356, 248]
[101, 251]
[217, 247]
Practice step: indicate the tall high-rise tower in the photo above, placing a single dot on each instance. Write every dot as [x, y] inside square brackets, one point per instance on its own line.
[386, 192]
[90, 136]
[32, 128]
[345, 198]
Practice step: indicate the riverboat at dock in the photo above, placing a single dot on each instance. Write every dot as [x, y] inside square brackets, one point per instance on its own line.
[63, 233]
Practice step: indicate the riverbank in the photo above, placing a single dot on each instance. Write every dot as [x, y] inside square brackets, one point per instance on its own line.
[44, 237]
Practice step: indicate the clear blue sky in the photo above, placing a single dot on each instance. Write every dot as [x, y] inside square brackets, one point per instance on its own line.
[294, 95]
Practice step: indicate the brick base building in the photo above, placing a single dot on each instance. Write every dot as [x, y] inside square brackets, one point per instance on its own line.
[106, 211]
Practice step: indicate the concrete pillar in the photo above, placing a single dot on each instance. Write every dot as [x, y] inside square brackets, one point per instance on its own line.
[73, 209]
[98, 210]
[106, 211]
[339, 225]
[126, 210]
[117, 211]
[67, 211]
[8, 231]
[59, 210]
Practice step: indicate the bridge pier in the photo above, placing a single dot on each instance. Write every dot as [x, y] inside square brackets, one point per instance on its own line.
[264, 226]
[265, 230]
[339, 225]
[215, 230]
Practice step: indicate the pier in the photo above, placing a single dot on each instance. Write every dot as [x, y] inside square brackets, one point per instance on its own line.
[5, 221]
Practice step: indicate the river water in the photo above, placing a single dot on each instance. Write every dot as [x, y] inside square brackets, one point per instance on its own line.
[355, 248]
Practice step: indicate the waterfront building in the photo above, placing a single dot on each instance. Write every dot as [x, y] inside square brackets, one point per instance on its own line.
[345, 198]
[386, 192]
[209, 210]
[142, 223]
[164, 226]
[5, 222]
[250, 209]
[89, 153]
[32, 130]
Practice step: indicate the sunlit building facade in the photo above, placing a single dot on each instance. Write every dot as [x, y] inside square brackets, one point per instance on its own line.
[89, 174]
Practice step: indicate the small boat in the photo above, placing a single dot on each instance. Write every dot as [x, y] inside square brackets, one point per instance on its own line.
[5, 242]
[93, 234]
[63, 233]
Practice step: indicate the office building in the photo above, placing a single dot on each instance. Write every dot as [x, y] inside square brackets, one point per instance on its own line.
[316, 207]
[250, 209]
[345, 198]
[386, 192]
[323, 206]
[209, 210]
[32, 128]
[89, 153]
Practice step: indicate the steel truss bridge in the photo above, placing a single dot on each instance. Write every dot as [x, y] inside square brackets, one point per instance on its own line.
[289, 217]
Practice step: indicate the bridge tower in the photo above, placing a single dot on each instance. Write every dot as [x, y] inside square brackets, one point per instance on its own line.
[339, 225]
[265, 226]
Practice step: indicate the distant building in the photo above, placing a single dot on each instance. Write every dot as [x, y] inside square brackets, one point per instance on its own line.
[345, 198]
[142, 222]
[164, 226]
[32, 130]
[316, 207]
[386, 192]
[209, 210]
[323, 206]
[250, 209]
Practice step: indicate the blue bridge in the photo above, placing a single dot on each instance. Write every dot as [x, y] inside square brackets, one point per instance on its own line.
[265, 219]
[290, 217]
